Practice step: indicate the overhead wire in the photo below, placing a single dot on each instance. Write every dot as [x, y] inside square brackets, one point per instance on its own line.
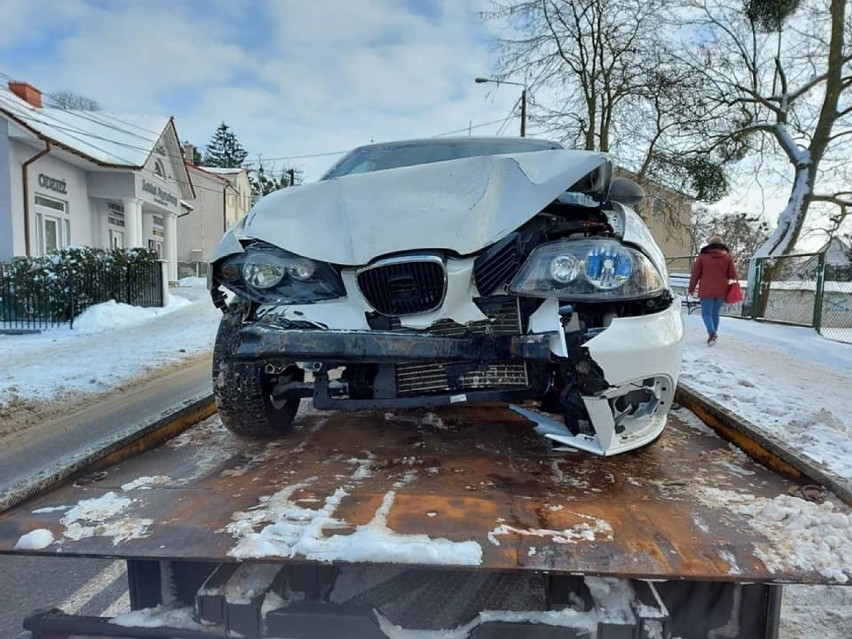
[75, 133]
[508, 117]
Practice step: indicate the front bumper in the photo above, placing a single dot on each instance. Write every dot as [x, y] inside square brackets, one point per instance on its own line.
[260, 342]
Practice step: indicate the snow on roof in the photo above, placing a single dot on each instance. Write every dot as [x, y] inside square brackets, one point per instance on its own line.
[220, 170]
[125, 140]
[207, 171]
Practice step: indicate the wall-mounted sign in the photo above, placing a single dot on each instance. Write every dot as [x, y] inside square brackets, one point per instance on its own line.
[51, 183]
[161, 196]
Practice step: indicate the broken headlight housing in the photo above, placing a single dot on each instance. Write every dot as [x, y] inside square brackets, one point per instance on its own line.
[588, 270]
[269, 275]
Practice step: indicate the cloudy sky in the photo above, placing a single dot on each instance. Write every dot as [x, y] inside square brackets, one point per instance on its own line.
[291, 78]
[298, 82]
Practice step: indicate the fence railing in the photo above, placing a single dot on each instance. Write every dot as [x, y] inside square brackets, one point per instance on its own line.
[801, 290]
[31, 299]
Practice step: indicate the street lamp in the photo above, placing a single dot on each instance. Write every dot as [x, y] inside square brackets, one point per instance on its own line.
[523, 99]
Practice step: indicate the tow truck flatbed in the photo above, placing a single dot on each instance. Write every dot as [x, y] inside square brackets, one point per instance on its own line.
[475, 486]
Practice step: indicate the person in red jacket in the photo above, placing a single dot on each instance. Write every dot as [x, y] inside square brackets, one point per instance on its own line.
[712, 273]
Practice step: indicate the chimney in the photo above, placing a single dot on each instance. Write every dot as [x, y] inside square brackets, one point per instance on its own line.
[190, 153]
[27, 92]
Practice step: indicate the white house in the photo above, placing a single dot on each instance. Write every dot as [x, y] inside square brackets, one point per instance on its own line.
[222, 196]
[87, 178]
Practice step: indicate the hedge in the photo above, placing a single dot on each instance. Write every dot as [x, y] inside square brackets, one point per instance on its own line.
[60, 285]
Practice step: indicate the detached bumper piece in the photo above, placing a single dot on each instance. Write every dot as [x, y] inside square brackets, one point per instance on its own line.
[315, 345]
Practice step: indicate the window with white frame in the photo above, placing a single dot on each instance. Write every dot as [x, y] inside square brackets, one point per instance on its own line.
[116, 239]
[53, 226]
[159, 169]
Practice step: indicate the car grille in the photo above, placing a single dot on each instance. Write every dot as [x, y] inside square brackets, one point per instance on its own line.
[404, 286]
[503, 319]
[498, 265]
[418, 379]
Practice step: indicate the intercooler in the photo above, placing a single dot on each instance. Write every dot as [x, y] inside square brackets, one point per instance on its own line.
[417, 379]
[442, 377]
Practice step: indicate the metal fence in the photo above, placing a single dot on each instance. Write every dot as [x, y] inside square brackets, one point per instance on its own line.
[833, 318]
[787, 289]
[32, 299]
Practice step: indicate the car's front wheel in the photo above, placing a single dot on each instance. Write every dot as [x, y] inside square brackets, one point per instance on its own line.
[243, 390]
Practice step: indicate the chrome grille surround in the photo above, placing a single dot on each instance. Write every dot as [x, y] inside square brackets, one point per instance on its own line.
[407, 285]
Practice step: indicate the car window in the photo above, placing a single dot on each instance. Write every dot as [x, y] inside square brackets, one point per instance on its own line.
[391, 156]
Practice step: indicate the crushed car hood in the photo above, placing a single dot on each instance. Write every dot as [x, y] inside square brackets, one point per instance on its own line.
[460, 205]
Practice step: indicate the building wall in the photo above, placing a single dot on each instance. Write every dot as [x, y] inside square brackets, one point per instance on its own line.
[668, 214]
[241, 194]
[203, 227]
[6, 210]
[51, 179]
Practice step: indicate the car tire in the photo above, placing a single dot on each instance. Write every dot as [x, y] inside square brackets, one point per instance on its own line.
[243, 390]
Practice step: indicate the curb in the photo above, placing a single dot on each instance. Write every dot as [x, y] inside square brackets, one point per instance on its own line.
[113, 450]
[758, 444]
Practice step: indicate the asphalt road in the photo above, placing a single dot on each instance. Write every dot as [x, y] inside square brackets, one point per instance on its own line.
[75, 585]
[56, 440]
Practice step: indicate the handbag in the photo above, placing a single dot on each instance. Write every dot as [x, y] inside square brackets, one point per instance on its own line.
[734, 294]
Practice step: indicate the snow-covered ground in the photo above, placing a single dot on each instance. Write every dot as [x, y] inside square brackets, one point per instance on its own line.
[788, 381]
[110, 346]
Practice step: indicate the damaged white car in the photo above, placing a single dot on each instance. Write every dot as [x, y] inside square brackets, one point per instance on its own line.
[443, 271]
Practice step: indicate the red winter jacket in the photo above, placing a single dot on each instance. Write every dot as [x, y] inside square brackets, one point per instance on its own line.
[712, 270]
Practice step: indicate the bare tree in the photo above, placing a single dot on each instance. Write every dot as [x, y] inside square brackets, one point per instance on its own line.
[743, 233]
[71, 101]
[602, 77]
[783, 68]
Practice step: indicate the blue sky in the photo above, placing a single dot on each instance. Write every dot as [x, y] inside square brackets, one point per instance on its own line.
[291, 78]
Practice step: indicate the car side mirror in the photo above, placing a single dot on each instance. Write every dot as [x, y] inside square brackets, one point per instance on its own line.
[626, 191]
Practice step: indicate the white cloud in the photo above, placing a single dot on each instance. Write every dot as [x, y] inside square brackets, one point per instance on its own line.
[289, 78]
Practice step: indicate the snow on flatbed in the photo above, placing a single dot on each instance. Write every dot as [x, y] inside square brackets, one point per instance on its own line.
[471, 486]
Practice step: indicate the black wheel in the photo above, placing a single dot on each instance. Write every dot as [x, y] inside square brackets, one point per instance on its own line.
[243, 390]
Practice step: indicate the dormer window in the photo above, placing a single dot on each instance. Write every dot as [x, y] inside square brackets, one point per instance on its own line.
[159, 169]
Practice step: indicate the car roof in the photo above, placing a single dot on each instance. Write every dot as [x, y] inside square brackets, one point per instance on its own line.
[476, 139]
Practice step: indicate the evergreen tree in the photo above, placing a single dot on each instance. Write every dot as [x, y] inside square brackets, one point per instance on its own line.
[224, 150]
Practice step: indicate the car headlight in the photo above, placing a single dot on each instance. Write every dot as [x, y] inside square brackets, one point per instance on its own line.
[267, 274]
[262, 270]
[587, 270]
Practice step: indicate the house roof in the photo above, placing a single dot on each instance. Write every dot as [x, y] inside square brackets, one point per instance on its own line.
[221, 171]
[103, 138]
[207, 170]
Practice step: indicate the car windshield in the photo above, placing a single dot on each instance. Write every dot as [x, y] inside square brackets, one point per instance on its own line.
[379, 157]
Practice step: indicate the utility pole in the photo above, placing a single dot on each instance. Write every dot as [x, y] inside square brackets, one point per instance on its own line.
[523, 99]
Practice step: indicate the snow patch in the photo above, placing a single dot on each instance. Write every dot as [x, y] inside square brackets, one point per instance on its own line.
[99, 517]
[280, 527]
[588, 531]
[35, 540]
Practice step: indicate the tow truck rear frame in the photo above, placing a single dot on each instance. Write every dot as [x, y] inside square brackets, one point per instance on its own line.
[555, 525]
